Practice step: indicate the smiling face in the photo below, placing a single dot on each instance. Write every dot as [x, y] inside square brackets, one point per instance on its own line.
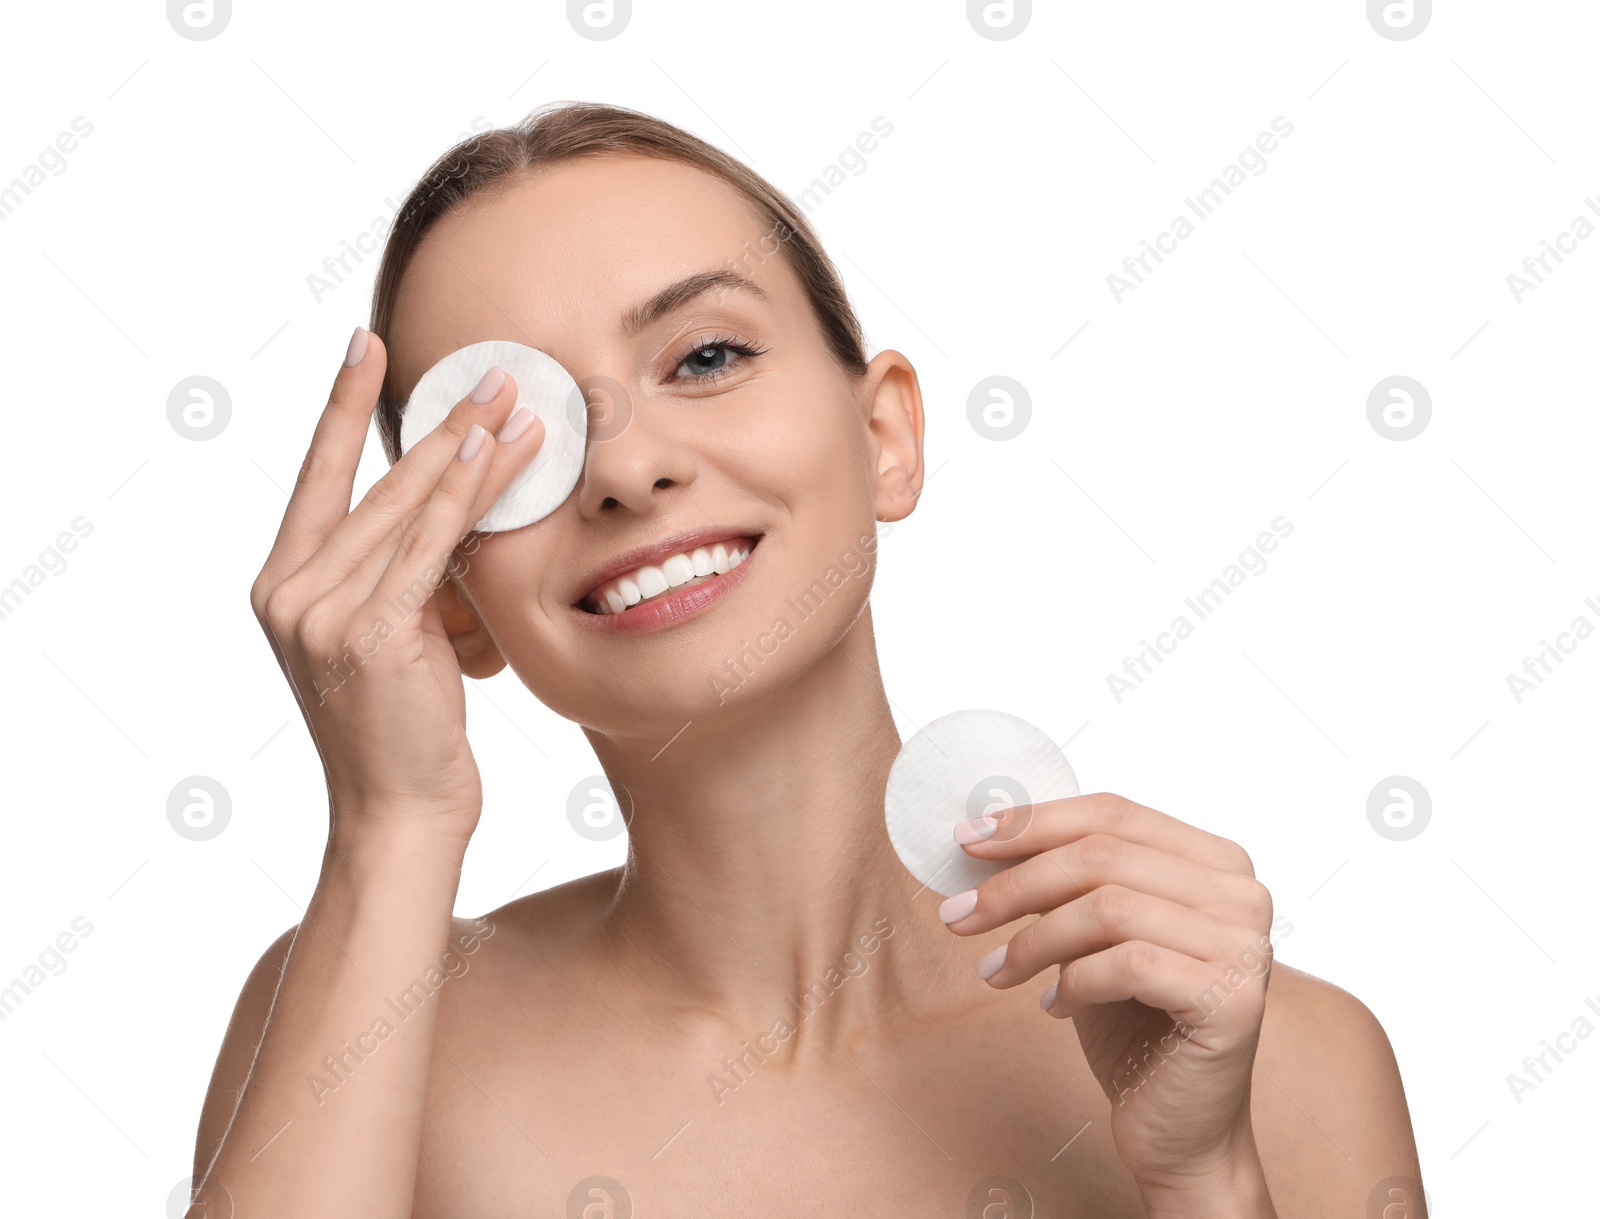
[731, 424]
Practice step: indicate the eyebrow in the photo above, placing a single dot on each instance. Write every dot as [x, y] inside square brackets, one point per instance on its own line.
[680, 293]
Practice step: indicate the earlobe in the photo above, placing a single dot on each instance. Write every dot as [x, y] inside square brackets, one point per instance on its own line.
[477, 653]
[896, 424]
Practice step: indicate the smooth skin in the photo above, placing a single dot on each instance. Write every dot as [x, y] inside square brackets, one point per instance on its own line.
[641, 1024]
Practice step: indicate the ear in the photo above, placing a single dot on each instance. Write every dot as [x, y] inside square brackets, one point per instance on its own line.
[893, 400]
[478, 654]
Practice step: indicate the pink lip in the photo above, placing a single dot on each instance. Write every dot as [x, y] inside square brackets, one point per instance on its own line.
[673, 607]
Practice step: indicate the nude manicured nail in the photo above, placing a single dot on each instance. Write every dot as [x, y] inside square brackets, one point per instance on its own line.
[968, 832]
[472, 442]
[489, 385]
[990, 965]
[515, 426]
[358, 348]
[953, 909]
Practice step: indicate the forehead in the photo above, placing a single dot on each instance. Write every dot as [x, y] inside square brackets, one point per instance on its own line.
[564, 251]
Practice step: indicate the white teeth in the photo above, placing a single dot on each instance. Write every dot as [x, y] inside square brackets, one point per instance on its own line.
[674, 572]
[652, 581]
[679, 569]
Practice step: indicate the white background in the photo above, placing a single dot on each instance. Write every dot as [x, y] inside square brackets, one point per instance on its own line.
[1167, 431]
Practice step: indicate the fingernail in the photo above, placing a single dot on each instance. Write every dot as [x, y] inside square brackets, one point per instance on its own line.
[489, 385]
[358, 347]
[952, 909]
[1047, 1000]
[472, 442]
[515, 426]
[968, 832]
[990, 965]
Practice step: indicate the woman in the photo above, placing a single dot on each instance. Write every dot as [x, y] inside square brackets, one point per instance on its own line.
[655, 1038]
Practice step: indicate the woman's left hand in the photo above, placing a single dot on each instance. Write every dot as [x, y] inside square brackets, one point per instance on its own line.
[1161, 933]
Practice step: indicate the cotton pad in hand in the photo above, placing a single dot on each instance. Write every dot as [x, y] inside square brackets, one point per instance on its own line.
[545, 388]
[959, 767]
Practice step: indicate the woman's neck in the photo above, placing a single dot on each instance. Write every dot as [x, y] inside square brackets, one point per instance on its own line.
[758, 853]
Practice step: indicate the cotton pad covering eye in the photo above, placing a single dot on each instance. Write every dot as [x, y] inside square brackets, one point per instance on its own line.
[959, 767]
[545, 388]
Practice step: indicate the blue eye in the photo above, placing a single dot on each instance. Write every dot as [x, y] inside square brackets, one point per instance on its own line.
[710, 360]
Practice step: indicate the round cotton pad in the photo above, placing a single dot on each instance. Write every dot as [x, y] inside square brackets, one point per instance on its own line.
[959, 767]
[545, 388]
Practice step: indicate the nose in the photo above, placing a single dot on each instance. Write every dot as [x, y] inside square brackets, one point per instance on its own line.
[632, 451]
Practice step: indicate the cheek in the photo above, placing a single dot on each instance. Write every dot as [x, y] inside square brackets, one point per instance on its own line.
[810, 448]
[509, 571]
[815, 464]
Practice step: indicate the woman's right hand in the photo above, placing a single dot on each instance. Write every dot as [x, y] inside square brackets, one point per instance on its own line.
[375, 674]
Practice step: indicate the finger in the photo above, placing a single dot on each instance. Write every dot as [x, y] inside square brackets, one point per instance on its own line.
[1062, 874]
[1150, 974]
[394, 500]
[321, 495]
[421, 559]
[508, 461]
[1030, 828]
[1110, 915]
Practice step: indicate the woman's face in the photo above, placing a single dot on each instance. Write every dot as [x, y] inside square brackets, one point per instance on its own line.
[779, 445]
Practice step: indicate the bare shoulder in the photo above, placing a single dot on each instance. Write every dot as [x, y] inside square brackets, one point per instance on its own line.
[558, 911]
[538, 932]
[1328, 1103]
[238, 1051]
[1301, 1004]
